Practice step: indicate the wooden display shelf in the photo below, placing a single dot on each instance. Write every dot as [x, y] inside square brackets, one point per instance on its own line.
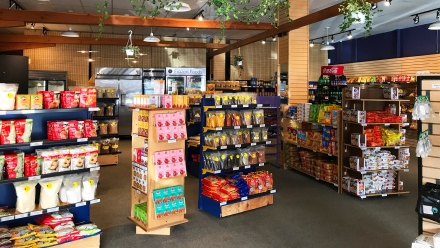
[155, 109]
[316, 178]
[375, 124]
[377, 100]
[372, 147]
[88, 242]
[108, 159]
[158, 230]
[384, 193]
[319, 124]
[308, 148]
[369, 171]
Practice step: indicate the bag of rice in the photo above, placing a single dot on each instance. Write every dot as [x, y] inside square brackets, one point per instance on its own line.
[71, 190]
[89, 184]
[7, 94]
[25, 196]
[49, 192]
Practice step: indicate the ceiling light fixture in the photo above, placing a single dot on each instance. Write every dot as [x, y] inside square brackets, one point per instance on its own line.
[333, 39]
[187, 29]
[69, 33]
[174, 7]
[166, 48]
[373, 6]
[44, 31]
[274, 38]
[201, 17]
[387, 2]
[32, 25]
[416, 19]
[435, 25]
[263, 42]
[151, 38]
[349, 35]
[327, 45]
[312, 44]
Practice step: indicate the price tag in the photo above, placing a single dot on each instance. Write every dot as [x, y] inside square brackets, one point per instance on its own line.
[405, 124]
[218, 128]
[259, 105]
[386, 124]
[30, 111]
[317, 179]
[135, 135]
[34, 178]
[222, 203]
[262, 125]
[20, 216]
[171, 141]
[261, 164]
[223, 147]
[218, 106]
[217, 171]
[245, 105]
[397, 147]
[7, 218]
[323, 125]
[50, 210]
[273, 191]
[363, 148]
[268, 142]
[80, 204]
[247, 167]
[406, 170]
[95, 201]
[237, 145]
[244, 198]
[363, 196]
[97, 109]
[233, 106]
[329, 155]
[235, 168]
[2, 112]
[335, 126]
[383, 195]
[335, 184]
[314, 150]
[296, 145]
[249, 126]
[236, 127]
[136, 109]
[364, 124]
[253, 144]
[39, 143]
[95, 168]
[36, 213]
[82, 139]
[363, 172]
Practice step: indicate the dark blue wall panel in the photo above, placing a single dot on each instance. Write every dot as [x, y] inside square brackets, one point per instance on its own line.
[418, 41]
[381, 46]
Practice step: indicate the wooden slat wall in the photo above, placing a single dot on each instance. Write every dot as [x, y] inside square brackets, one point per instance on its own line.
[259, 61]
[298, 74]
[407, 65]
[317, 58]
[218, 63]
[431, 164]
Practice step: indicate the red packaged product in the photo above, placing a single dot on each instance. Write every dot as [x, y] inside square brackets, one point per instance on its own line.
[60, 130]
[7, 135]
[82, 97]
[14, 163]
[76, 129]
[31, 165]
[68, 99]
[50, 130]
[49, 101]
[89, 129]
[91, 97]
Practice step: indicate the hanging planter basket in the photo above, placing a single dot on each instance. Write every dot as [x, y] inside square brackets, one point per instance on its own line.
[129, 52]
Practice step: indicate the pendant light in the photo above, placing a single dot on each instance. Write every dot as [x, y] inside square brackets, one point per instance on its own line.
[327, 45]
[151, 38]
[174, 7]
[436, 25]
[69, 33]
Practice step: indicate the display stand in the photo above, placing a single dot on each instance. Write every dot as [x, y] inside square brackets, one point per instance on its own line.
[428, 168]
[111, 158]
[193, 129]
[81, 210]
[223, 209]
[371, 98]
[154, 225]
[272, 119]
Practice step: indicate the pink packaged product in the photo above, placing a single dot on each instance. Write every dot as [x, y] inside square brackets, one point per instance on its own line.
[160, 172]
[168, 170]
[167, 157]
[182, 168]
[174, 132]
[174, 119]
[169, 133]
[180, 155]
[158, 158]
[161, 133]
[167, 101]
[180, 118]
[182, 132]
[167, 119]
[175, 169]
[158, 120]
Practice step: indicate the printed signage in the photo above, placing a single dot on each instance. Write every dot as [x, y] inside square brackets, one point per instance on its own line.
[186, 71]
[332, 70]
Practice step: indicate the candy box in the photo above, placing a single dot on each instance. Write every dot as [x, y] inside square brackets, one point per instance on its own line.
[169, 134]
[358, 139]
[36, 101]
[358, 116]
[161, 133]
[353, 93]
[167, 101]
[159, 120]
[22, 102]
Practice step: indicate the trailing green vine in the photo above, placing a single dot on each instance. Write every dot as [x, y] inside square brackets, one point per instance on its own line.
[225, 9]
[351, 9]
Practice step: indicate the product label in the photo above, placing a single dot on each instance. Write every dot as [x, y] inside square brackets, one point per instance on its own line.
[7, 218]
[236, 127]
[427, 210]
[235, 168]
[39, 143]
[329, 155]
[406, 170]
[20, 216]
[222, 203]
[237, 145]
[386, 124]
[2, 112]
[50, 210]
[262, 125]
[80, 204]
[34, 178]
[244, 198]
[223, 147]
[363, 196]
[97, 109]
[436, 86]
[383, 195]
[261, 164]
[217, 171]
[249, 126]
[397, 147]
[268, 142]
[171, 141]
[218, 128]
[259, 105]
[317, 179]
[36, 213]
[245, 105]
[95, 168]
[31, 111]
[332, 70]
[218, 106]
[273, 191]
[82, 139]
[247, 167]
[95, 201]
[233, 106]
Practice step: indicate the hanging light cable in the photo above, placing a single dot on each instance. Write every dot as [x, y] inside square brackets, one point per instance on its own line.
[151, 38]
[327, 44]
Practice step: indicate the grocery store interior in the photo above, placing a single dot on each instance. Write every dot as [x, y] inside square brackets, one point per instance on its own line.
[200, 123]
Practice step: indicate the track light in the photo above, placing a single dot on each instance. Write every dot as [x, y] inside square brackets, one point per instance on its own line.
[333, 39]
[312, 44]
[349, 35]
[274, 38]
[438, 14]
[387, 2]
[44, 31]
[32, 25]
[201, 17]
[263, 42]
[166, 48]
[187, 29]
[373, 6]
[416, 19]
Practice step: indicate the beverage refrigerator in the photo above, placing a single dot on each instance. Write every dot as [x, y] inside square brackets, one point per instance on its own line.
[180, 81]
[153, 81]
[46, 80]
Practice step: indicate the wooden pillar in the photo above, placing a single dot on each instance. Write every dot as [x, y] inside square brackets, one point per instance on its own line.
[218, 63]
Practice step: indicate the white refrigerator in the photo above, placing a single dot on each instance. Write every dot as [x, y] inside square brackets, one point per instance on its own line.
[180, 80]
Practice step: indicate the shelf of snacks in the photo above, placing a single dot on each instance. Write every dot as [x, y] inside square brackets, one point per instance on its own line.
[238, 135]
[108, 150]
[55, 228]
[374, 150]
[312, 144]
[59, 124]
[159, 166]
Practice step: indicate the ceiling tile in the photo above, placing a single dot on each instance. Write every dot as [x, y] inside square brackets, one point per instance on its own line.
[92, 3]
[107, 29]
[67, 8]
[122, 30]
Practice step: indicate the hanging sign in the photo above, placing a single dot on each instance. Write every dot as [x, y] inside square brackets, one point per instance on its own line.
[332, 70]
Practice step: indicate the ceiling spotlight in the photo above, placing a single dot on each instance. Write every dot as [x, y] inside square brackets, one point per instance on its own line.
[69, 33]
[416, 19]
[174, 7]
[91, 60]
[349, 35]
[333, 39]
[436, 25]
[187, 29]
[387, 2]
[312, 44]
[134, 61]
[274, 38]
[263, 42]
[327, 45]
[32, 25]
[44, 31]
[166, 48]
[201, 17]
[373, 6]
[151, 38]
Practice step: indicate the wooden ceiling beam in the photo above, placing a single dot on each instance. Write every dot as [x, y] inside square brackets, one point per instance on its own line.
[30, 16]
[20, 46]
[10, 38]
[11, 24]
[295, 24]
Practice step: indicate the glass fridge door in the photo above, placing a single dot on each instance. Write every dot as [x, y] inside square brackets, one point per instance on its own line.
[36, 85]
[176, 85]
[196, 83]
[148, 86]
[58, 85]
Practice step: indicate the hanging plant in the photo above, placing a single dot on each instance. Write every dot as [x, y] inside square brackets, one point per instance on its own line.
[131, 51]
[357, 11]
[225, 9]
[238, 61]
